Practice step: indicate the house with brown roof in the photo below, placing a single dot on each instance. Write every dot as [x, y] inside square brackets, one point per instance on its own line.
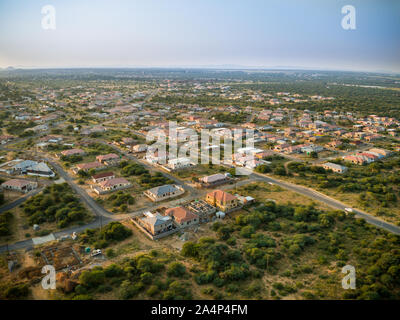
[100, 177]
[71, 152]
[355, 159]
[111, 185]
[88, 166]
[19, 185]
[139, 148]
[108, 159]
[182, 217]
[333, 144]
[380, 151]
[222, 200]
[214, 180]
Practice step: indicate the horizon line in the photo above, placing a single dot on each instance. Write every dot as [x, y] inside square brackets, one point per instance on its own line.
[216, 67]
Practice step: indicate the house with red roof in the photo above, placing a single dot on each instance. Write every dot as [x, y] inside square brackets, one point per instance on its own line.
[88, 166]
[222, 200]
[108, 159]
[100, 177]
[111, 185]
[183, 217]
[19, 185]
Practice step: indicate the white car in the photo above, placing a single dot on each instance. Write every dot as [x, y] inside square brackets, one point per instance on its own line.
[96, 252]
[348, 209]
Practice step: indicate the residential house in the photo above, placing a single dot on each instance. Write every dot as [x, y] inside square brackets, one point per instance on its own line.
[182, 217]
[19, 185]
[222, 200]
[214, 180]
[88, 166]
[100, 177]
[40, 169]
[110, 185]
[202, 209]
[109, 159]
[139, 148]
[154, 225]
[164, 192]
[334, 144]
[355, 159]
[334, 167]
[383, 152]
[179, 163]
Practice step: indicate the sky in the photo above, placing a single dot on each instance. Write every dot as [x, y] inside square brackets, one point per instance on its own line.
[202, 33]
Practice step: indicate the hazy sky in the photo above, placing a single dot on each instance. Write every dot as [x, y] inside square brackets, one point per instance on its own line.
[301, 33]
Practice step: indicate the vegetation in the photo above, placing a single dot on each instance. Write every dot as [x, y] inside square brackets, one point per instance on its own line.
[376, 183]
[5, 223]
[111, 233]
[57, 203]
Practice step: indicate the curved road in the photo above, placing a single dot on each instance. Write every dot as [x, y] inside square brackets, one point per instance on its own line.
[328, 201]
[104, 216]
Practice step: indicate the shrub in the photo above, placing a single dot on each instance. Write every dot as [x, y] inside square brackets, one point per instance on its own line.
[18, 291]
[176, 269]
[92, 278]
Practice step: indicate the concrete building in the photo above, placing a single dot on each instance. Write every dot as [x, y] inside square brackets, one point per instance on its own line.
[164, 192]
[182, 217]
[222, 200]
[334, 167]
[19, 185]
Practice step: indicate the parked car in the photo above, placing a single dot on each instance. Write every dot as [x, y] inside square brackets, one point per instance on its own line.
[96, 252]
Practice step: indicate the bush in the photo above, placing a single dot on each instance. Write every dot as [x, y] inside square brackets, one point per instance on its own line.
[110, 253]
[113, 270]
[112, 232]
[177, 291]
[5, 223]
[146, 277]
[152, 291]
[247, 231]
[57, 203]
[176, 269]
[18, 291]
[92, 278]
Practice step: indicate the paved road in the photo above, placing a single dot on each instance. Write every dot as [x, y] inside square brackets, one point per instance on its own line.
[103, 216]
[24, 244]
[313, 194]
[89, 201]
[328, 201]
[19, 201]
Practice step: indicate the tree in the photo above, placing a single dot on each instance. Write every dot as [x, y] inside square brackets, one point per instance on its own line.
[314, 155]
[189, 249]
[92, 278]
[176, 269]
[247, 231]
